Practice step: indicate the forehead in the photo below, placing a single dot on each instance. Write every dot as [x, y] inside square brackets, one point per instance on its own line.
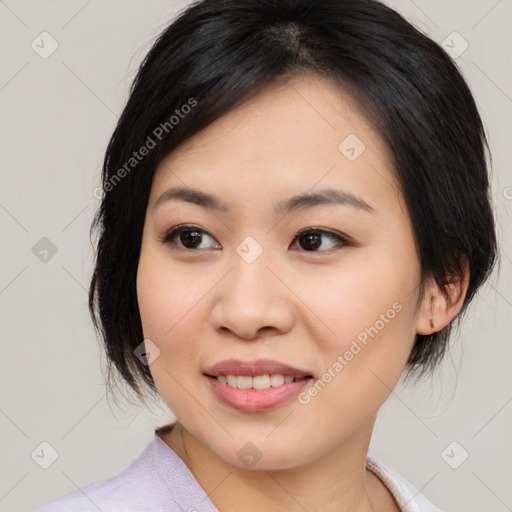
[286, 139]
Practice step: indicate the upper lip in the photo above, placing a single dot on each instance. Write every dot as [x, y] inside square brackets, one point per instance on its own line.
[254, 368]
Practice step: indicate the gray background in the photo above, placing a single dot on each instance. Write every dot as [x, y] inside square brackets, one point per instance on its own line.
[57, 115]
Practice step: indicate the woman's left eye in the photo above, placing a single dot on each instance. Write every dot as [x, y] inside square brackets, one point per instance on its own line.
[318, 240]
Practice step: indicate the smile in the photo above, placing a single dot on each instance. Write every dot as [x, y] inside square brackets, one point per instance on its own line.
[255, 386]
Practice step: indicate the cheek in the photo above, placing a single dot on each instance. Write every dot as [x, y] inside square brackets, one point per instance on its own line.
[365, 291]
[370, 310]
[170, 307]
[166, 294]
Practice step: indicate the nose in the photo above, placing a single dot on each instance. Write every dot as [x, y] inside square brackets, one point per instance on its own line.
[251, 302]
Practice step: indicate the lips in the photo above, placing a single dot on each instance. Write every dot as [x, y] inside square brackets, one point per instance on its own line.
[243, 385]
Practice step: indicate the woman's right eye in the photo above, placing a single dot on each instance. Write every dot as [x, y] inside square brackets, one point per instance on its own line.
[190, 238]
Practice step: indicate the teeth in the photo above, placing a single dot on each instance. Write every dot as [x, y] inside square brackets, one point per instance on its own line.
[276, 380]
[259, 382]
[244, 382]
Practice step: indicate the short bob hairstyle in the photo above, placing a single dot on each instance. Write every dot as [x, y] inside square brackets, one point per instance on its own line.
[216, 55]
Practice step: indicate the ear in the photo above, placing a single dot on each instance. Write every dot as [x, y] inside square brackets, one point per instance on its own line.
[436, 311]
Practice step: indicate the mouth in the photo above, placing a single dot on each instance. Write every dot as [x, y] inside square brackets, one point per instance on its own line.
[253, 386]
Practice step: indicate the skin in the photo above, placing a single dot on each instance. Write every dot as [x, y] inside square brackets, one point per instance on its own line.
[300, 307]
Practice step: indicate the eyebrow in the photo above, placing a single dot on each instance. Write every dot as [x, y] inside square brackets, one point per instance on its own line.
[328, 196]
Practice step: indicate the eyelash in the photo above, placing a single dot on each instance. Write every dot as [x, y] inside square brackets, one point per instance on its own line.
[170, 237]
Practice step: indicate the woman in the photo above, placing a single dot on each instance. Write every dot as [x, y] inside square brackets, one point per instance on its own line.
[295, 210]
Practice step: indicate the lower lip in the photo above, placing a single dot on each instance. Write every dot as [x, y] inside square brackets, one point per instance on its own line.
[256, 400]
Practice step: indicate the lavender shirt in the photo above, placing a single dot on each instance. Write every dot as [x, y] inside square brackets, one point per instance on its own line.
[159, 481]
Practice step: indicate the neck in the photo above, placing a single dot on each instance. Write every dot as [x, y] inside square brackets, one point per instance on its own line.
[337, 481]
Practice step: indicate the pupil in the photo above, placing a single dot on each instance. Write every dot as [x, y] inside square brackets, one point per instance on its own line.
[190, 239]
[311, 241]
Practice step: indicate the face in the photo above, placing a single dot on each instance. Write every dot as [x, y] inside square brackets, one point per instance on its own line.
[276, 245]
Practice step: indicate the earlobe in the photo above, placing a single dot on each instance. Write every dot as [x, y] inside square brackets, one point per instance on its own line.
[438, 308]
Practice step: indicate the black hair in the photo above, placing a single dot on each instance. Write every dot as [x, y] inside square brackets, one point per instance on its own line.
[216, 55]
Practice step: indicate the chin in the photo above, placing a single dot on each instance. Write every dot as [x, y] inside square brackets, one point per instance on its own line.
[260, 453]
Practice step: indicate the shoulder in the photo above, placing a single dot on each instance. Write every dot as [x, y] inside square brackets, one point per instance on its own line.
[406, 495]
[157, 480]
